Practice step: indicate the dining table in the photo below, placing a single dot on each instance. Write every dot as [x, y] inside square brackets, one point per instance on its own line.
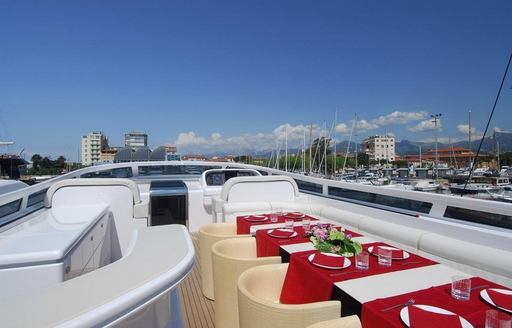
[413, 287]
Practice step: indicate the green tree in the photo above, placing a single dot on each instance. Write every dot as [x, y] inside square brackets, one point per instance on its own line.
[363, 159]
[36, 161]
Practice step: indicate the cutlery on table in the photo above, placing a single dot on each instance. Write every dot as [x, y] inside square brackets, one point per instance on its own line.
[412, 262]
[342, 273]
[409, 302]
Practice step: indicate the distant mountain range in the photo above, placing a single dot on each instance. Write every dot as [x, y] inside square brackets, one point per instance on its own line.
[407, 147]
[503, 139]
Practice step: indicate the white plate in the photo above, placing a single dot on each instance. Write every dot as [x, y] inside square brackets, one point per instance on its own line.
[404, 314]
[406, 255]
[488, 299]
[255, 218]
[294, 215]
[346, 263]
[291, 236]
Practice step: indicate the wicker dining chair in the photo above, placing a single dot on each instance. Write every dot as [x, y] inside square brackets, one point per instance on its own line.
[259, 289]
[230, 258]
[209, 234]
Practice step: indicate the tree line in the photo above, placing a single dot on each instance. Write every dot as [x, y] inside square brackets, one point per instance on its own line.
[47, 166]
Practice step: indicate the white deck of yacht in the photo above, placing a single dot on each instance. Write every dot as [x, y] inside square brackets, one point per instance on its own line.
[197, 309]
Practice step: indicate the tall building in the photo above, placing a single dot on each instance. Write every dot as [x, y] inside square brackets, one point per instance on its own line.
[92, 145]
[380, 148]
[135, 140]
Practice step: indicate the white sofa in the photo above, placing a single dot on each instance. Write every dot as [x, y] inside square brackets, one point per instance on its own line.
[257, 195]
[488, 262]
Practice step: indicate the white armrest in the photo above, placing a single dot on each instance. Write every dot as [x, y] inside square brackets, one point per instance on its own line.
[141, 210]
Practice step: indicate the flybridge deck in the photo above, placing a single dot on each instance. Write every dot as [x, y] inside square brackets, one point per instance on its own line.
[208, 195]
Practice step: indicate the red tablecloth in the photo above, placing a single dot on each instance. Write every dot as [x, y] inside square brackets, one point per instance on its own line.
[244, 227]
[269, 246]
[439, 296]
[306, 283]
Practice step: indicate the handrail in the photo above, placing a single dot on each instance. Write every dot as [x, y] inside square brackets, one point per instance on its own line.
[440, 202]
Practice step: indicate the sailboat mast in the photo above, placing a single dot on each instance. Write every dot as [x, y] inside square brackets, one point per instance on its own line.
[335, 157]
[310, 145]
[286, 148]
[325, 149]
[304, 154]
[469, 131]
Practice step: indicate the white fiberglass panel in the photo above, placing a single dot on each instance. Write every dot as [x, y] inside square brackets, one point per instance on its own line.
[262, 191]
[49, 236]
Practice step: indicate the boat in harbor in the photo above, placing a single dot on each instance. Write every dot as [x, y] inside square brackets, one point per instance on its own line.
[427, 185]
[83, 251]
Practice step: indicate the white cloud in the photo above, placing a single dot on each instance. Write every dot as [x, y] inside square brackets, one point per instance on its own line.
[364, 125]
[342, 128]
[192, 142]
[497, 129]
[400, 118]
[296, 132]
[189, 138]
[464, 128]
[216, 136]
[426, 125]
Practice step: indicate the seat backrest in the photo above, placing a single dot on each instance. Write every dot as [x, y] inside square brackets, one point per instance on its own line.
[231, 257]
[78, 184]
[392, 231]
[122, 196]
[497, 261]
[258, 301]
[260, 189]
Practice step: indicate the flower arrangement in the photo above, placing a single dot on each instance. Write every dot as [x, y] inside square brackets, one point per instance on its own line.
[328, 239]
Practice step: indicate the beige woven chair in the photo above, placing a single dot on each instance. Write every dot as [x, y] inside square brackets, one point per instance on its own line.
[230, 258]
[259, 289]
[208, 235]
[346, 322]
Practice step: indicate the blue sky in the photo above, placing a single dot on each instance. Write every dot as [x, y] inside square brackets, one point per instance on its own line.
[227, 75]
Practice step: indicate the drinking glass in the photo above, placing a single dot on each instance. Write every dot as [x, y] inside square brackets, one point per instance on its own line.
[288, 224]
[385, 258]
[461, 288]
[497, 319]
[363, 260]
[273, 218]
[306, 225]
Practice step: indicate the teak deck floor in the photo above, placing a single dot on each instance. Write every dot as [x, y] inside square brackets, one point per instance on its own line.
[197, 309]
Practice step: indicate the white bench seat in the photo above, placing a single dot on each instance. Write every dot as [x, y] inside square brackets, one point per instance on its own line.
[157, 260]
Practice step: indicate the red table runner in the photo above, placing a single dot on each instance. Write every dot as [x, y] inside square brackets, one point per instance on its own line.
[307, 283]
[244, 227]
[439, 296]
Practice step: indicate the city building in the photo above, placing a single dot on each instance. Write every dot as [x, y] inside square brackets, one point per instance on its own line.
[380, 148]
[92, 146]
[135, 140]
[108, 154]
[452, 156]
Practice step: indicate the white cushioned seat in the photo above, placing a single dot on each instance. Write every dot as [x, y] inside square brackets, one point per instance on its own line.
[254, 189]
[342, 216]
[232, 210]
[490, 259]
[392, 231]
